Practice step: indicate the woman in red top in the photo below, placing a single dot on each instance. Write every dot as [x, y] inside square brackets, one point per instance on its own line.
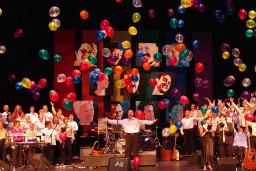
[16, 112]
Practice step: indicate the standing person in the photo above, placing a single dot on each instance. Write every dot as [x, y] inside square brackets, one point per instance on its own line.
[131, 126]
[3, 134]
[33, 115]
[48, 115]
[5, 114]
[16, 112]
[72, 128]
[206, 132]
[239, 145]
[40, 124]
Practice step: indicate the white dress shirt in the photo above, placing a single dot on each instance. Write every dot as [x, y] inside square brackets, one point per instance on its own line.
[4, 117]
[130, 125]
[50, 136]
[39, 126]
[33, 117]
[48, 116]
[73, 125]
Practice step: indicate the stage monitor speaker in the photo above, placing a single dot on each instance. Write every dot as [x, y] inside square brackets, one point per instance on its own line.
[4, 166]
[119, 164]
[226, 164]
[39, 161]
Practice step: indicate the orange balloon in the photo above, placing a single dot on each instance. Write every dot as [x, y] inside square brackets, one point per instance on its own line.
[179, 47]
[84, 14]
[134, 71]
[128, 53]
[118, 69]
[146, 66]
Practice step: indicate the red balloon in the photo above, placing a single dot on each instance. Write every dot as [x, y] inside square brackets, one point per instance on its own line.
[184, 100]
[242, 14]
[63, 136]
[136, 161]
[109, 31]
[162, 105]
[71, 96]
[104, 24]
[152, 82]
[101, 76]
[144, 60]
[249, 117]
[83, 66]
[173, 60]
[18, 33]
[54, 96]
[76, 73]
[127, 81]
[199, 67]
[42, 83]
[139, 115]
[68, 81]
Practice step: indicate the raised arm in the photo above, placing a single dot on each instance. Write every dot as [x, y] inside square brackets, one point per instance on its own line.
[147, 122]
[53, 108]
[239, 111]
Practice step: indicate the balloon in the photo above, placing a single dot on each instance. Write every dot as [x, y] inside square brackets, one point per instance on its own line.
[242, 14]
[132, 30]
[134, 71]
[157, 56]
[181, 23]
[198, 81]
[196, 44]
[173, 23]
[237, 61]
[202, 122]
[54, 96]
[54, 11]
[245, 95]
[179, 47]
[101, 34]
[67, 105]
[242, 67]
[225, 55]
[229, 81]
[136, 17]
[230, 93]
[128, 53]
[92, 59]
[106, 52]
[152, 82]
[162, 105]
[12, 78]
[61, 78]
[166, 132]
[139, 115]
[104, 24]
[235, 52]
[166, 50]
[184, 100]
[205, 84]
[203, 109]
[170, 12]
[77, 79]
[57, 22]
[126, 44]
[135, 78]
[250, 23]
[18, 86]
[57, 58]
[118, 1]
[215, 109]
[71, 96]
[120, 84]
[36, 95]
[201, 8]
[186, 3]
[249, 117]
[44, 54]
[109, 31]
[18, 33]
[189, 57]
[1, 11]
[42, 83]
[151, 13]
[118, 70]
[146, 66]
[196, 97]
[173, 129]
[249, 33]
[225, 47]
[181, 9]
[76, 73]
[183, 53]
[178, 124]
[2, 49]
[252, 14]
[26, 83]
[84, 14]
[108, 71]
[173, 60]
[175, 93]
[137, 3]
[199, 67]
[68, 81]
[179, 38]
[63, 136]
[52, 26]
[246, 82]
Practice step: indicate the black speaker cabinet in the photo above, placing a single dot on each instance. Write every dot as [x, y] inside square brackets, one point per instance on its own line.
[226, 164]
[119, 164]
[39, 161]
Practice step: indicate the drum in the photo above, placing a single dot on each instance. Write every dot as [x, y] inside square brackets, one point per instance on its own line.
[166, 155]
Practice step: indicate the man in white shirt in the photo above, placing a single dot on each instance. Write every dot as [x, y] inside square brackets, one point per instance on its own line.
[48, 115]
[5, 114]
[33, 115]
[131, 126]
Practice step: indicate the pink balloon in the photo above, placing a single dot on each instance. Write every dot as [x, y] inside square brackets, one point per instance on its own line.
[71, 96]
[68, 81]
[104, 24]
[42, 83]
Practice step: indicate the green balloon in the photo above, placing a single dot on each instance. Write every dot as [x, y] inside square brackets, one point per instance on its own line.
[92, 59]
[184, 53]
[57, 58]
[108, 71]
[203, 109]
[230, 92]
[67, 105]
[44, 54]
[158, 56]
[249, 33]
[173, 23]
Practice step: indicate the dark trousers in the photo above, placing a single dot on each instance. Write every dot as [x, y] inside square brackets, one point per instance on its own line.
[17, 156]
[2, 149]
[49, 151]
[239, 153]
[188, 144]
[132, 144]
[225, 150]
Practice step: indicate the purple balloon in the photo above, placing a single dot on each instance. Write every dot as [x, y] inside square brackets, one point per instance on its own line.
[198, 82]
[205, 84]
[34, 88]
[170, 12]
[245, 95]
[151, 13]
[36, 95]
[225, 47]
[254, 32]
[229, 81]
[175, 93]
[126, 61]
[196, 97]
[201, 8]
[12, 78]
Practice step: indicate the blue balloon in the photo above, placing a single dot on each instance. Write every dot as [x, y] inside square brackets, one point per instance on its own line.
[217, 14]
[77, 80]
[181, 10]
[100, 35]
[96, 71]
[196, 44]
[135, 78]
[178, 124]
[203, 122]
[215, 109]
[18, 86]
[140, 54]
[120, 47]
[181, 23]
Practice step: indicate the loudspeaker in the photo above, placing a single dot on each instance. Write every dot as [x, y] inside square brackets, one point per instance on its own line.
[119, 164]
[3, 166]
[226, 164]
[39, 161]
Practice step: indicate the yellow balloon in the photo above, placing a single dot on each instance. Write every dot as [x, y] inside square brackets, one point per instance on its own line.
[242, 67]
[225, 55]
[132, 30]
[136, 17]
[126, 44]
[1, 11]
[53, 26]
[120, 84]
[173, 129]
[186, 3]
[252, 14]
[26, 83]
[250, 23]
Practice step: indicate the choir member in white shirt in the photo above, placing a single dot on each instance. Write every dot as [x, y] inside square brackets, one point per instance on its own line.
[71, 128]
[40, 124]
[33, 114]
[5, 114]
[48, 115]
